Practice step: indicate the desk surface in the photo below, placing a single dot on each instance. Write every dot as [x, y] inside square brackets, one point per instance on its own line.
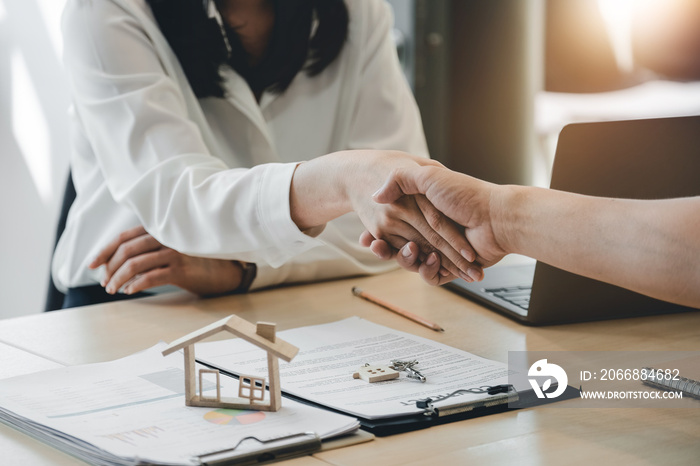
[540, 435]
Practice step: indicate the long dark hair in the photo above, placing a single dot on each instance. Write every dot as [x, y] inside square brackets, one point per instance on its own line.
[200, 47]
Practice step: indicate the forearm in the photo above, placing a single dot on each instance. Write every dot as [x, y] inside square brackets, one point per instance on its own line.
[647, 246]
[332, 185]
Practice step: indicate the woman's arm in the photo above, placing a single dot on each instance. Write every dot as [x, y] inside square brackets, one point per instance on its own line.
[649, 246]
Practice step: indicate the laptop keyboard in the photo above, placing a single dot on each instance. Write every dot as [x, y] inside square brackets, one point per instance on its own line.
[516, 295]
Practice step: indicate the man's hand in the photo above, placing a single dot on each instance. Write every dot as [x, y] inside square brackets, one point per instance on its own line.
[137, 261]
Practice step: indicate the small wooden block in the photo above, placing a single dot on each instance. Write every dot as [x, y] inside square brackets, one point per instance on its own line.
[373, 374]
[266, 330]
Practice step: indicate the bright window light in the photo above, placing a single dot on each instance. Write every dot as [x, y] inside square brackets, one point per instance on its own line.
[30, 127]
[617, 15]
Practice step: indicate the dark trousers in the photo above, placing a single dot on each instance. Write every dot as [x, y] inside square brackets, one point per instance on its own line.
[95, 294]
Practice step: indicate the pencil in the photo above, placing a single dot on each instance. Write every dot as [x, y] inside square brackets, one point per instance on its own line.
[409, 315]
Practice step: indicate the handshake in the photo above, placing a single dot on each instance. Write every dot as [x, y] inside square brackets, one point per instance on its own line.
[452, 223]
[443, 224]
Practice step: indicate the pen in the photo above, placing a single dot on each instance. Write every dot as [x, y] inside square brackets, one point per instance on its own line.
[409, 315]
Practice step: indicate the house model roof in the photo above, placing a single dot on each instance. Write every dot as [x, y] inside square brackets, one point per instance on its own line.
[240, 328]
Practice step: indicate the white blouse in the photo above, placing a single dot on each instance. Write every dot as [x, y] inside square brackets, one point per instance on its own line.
[211, 177]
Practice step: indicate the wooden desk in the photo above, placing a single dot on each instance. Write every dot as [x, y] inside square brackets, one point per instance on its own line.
[534, 436]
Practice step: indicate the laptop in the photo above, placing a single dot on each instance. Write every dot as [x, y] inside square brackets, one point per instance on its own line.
[635, 159]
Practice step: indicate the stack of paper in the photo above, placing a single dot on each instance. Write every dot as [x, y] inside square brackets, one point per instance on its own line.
[132, 411]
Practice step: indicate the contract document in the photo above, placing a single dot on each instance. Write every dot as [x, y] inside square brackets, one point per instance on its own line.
[132, 411]
[329, 354]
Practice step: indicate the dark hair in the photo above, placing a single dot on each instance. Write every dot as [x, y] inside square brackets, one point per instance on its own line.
[200, 47]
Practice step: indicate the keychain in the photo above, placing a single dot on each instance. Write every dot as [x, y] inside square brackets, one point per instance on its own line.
[377, 373]
[409, 368]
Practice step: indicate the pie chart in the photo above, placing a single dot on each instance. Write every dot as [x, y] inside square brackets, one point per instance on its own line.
[224, 417]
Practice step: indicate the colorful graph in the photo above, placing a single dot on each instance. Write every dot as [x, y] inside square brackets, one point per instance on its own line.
[235, 416]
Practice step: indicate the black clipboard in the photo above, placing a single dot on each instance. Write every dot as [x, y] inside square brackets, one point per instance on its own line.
[397, 425]
[400, 424]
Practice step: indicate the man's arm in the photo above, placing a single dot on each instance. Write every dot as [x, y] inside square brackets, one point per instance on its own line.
[649, 246]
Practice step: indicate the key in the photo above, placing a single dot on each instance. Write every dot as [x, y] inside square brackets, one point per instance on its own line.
[409, 368]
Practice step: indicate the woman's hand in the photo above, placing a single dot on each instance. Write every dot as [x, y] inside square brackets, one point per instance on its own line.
[137, 261]
[410, 258]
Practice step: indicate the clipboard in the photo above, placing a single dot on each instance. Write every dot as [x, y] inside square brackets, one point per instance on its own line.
[486, 407]
[457, 412]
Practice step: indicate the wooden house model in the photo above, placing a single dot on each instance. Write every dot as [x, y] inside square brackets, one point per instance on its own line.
[251, 389]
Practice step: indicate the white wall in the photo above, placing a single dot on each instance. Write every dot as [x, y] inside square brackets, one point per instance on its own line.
[33, 149]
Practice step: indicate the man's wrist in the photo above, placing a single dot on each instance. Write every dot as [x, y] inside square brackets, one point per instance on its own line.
[506, 205]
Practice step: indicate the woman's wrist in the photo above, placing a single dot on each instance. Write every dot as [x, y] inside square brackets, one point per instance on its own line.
[318, 192]
[247, 273]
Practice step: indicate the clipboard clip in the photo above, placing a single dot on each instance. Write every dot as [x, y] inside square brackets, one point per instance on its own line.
[427, 403]
[275, 449]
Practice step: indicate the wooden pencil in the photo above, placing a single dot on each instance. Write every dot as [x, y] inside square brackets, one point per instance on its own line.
[409, 315]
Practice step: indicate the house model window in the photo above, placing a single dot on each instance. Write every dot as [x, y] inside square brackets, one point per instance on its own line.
[251, 389]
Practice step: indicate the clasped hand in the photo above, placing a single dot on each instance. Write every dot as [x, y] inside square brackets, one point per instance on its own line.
[408, 222]
[461, 199]
[136, 261]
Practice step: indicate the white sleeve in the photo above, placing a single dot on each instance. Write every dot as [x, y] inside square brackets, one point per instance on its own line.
[153, 156]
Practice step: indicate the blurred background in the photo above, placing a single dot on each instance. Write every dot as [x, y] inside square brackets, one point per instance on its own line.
[496, 80]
